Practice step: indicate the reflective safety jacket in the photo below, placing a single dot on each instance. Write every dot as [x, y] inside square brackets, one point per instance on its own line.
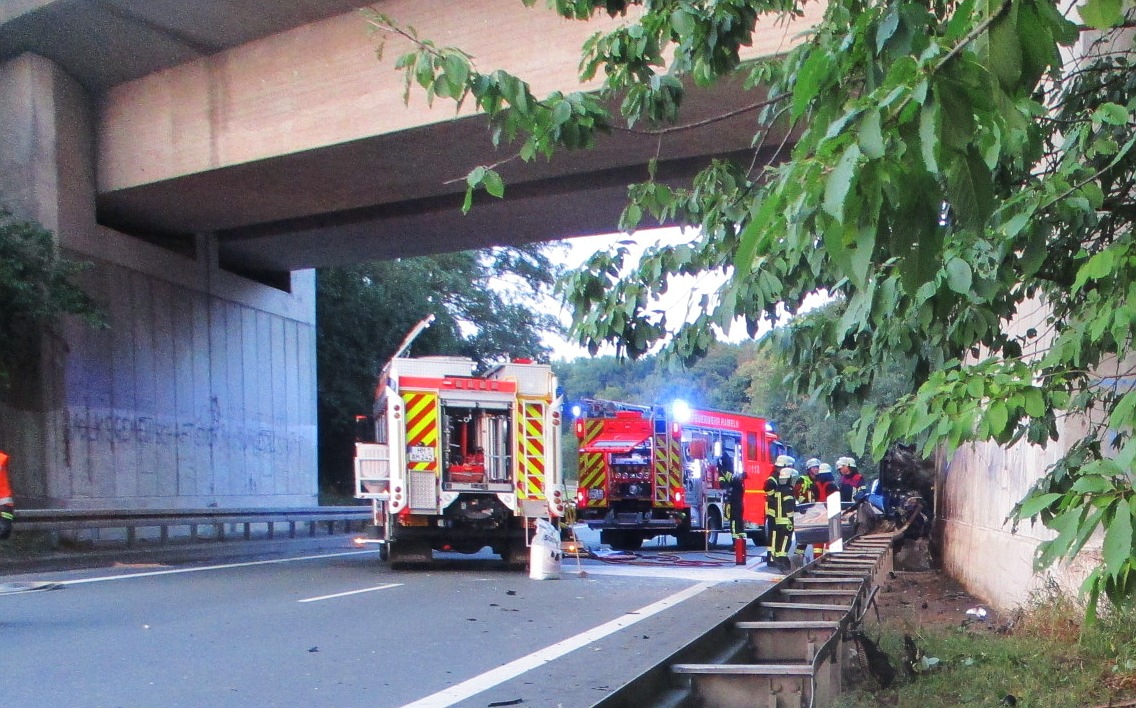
[779, 502]
[806, 490]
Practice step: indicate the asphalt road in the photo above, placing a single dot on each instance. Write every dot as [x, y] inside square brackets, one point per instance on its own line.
[337, 628]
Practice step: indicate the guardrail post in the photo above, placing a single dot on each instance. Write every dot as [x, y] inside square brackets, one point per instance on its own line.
[291, 529]
[248, 530]
[271, 530]
[131, 536]
[164, 534]
[220, 531]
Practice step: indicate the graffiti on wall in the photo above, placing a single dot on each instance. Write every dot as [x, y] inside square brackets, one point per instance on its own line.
[210, 430]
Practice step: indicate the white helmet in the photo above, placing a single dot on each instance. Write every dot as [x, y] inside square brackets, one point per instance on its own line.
[811, 463]
[785, 474]
[825, 468]
[784, 461]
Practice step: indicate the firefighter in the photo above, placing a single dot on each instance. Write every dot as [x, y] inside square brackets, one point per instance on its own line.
[733, 483]
[7, 507]
[806, 488]
[826, 486]
[851, 481]
[779, 507]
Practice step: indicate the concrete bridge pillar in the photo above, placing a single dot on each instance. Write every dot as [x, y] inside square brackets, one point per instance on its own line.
[202, 390]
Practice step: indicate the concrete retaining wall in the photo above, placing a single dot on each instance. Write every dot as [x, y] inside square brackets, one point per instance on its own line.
[202, 390]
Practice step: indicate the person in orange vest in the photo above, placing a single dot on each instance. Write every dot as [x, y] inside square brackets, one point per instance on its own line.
[826, 486]
[7, 504]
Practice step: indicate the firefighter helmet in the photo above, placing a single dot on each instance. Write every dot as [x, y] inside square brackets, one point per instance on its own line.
[811, 463]
[785, 475]
[784, 461]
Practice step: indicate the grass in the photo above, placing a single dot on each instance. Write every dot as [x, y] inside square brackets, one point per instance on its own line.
[1046, 656]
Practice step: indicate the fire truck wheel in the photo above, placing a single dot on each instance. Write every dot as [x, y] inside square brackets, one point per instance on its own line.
[714, 523]
[689, 541]
[405, 554]
[384, 552]
[516, 555]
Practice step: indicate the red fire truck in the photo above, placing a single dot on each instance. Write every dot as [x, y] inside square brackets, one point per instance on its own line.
[646, 471]
[460, 461]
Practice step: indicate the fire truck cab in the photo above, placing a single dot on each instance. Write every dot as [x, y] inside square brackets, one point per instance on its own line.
[646, 471]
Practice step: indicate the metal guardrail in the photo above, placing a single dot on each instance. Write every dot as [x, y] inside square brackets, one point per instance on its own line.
[56, 521]
[785, 649]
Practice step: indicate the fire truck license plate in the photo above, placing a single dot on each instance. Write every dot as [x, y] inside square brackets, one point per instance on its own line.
[418, 453]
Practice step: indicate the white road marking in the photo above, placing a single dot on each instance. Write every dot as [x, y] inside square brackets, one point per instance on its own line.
[460, 692]
[350, 592]
[755, 573]
[174, 571]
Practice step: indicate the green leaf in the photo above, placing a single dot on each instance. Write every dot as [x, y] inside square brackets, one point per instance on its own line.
[1092, 484]
[1122, 414]
[971, 189]
[1035, 505]
[457, 71]
[839, 182]
[960, 21]
[1117, 548]
[473, 179]
[871, 138]
[1035, 403]
[959, 276]
[494, 184]
[887, 28]
[1006, 51]
[997, 416]
[1111, 113]
[561, 112]
[1102, 14]
[809, 79]
[929, 135]
[1097, 267]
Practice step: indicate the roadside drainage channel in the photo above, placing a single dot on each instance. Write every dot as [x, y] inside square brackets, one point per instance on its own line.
[786, 649]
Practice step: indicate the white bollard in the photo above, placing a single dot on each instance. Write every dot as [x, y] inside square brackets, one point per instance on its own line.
[835, 534]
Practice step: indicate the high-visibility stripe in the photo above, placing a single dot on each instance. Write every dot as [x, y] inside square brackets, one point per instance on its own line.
[591, 473]
[530, 476]
[668, 468]
[422, 426]
[592, 428]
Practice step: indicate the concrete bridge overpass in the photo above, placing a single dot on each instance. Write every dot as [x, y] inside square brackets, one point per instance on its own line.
[204, 157]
